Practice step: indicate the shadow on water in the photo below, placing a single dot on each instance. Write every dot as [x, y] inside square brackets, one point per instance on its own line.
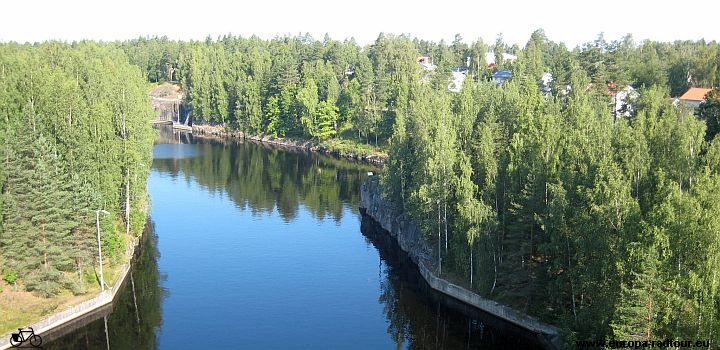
[132, 321]
[421, 318]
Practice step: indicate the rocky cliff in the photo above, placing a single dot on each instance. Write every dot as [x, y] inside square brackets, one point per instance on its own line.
[404, 230]
[409, 237]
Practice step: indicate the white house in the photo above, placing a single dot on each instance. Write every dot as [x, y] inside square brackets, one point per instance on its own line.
[625, 102]
[490, 57]
[546, 84]
[426, 62]
[458, 78]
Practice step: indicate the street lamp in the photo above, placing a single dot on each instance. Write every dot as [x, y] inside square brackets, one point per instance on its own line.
[97, 224]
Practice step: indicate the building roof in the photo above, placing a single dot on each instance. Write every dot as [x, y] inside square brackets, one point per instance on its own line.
[502, 74]
[695, 94]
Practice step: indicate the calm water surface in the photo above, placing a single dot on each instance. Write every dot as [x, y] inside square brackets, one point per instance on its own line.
[257, 248]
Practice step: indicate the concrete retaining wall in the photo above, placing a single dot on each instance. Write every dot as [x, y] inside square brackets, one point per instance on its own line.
[409, 238]
[73, 312]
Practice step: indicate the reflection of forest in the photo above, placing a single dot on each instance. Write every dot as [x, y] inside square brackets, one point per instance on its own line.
[421, 318]
[136, 314]
[264, 178]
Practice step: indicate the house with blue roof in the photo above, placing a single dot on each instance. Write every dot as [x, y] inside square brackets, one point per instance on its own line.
[500, 77]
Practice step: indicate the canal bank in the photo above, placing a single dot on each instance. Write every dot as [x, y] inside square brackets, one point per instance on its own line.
[218, 131]
[409, 238]
[98, 303]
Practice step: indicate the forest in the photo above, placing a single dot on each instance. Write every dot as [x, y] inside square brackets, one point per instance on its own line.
[307, 88]
[76, 138]
[560, 198]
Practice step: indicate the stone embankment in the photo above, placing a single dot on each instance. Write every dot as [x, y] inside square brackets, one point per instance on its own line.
[63, 317]
[409, 237]
[222, 132]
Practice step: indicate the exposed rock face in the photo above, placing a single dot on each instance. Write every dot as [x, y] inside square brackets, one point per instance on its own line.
[409, 237]
[165, 100]
[404, 230]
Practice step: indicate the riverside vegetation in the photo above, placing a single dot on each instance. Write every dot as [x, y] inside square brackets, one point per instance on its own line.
[544, 197]
[76, 138]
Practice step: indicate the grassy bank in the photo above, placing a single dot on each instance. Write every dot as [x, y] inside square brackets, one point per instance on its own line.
[350, 148]
[20, 308]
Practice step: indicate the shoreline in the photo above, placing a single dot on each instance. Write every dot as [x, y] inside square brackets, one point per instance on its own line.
[102, 299]
[409, 238]
[219, 131]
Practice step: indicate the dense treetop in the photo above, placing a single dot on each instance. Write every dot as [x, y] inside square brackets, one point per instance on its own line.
[303, 87]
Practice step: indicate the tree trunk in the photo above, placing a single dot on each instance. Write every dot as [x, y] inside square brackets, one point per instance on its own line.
[445, 206]
[471, 267]
[439, 242]
[446, 226]
[402, 185]
[45, 262]
[495, 265]
[127, 201]
[572, 285]
[127, 171]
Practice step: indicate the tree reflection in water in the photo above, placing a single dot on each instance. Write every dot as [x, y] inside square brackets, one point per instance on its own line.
[421, 318]
[263, 178]
[135, 317]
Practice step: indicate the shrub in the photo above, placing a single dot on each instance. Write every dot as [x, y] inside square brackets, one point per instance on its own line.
[10, 277]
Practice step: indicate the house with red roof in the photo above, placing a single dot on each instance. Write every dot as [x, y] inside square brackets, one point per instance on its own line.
[694, 96]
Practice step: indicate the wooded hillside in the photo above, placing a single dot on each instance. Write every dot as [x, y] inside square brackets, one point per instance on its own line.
[76, 138]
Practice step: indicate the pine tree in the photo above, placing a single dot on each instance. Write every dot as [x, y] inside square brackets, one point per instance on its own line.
[638, 313]
[37, 220]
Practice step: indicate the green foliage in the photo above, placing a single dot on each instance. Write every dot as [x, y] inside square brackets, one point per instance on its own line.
[10, 277]
[76, 131]
[276, 86]
[134, 327]
[45, 282]
[543, 201]
[602, 225]
[113, 241]
[327, 116]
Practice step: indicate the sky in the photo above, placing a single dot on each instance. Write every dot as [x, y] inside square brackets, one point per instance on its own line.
[571, 22]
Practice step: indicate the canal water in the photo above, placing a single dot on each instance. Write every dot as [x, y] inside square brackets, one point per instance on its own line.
[252, 247]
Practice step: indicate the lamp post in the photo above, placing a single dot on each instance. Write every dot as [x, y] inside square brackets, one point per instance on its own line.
[97, 224]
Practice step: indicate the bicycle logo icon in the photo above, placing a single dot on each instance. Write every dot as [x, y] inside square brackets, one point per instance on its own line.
[25, 336]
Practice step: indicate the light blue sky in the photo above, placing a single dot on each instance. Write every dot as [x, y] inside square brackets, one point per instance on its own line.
[571, 22]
